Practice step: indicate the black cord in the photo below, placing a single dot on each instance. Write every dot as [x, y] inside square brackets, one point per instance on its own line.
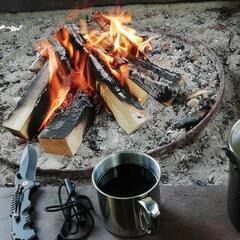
[77, 214]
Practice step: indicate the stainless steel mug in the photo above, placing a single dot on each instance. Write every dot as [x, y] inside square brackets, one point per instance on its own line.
[233, 152]
[135, 215]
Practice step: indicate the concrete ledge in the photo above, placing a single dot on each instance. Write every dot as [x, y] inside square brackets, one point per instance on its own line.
[189, 213]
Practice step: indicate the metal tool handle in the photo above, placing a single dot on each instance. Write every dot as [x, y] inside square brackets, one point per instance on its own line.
[149, 215]
[232, 158]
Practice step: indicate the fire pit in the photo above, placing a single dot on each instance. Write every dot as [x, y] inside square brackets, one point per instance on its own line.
[172, 123]
[182, 79]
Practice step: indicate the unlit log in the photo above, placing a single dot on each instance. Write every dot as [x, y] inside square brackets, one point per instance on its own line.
[197, 93]
[42, 50]
[99, 70]
[128, 117]
[64, 134]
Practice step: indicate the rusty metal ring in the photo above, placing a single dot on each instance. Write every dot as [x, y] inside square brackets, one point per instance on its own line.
[186, 139]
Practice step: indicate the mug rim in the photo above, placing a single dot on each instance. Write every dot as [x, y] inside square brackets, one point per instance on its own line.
[135, 196]
[235, 125]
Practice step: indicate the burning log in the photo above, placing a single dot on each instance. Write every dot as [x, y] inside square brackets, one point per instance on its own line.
[64, 134]
[125, 108]
[168, 83]
[34, 108]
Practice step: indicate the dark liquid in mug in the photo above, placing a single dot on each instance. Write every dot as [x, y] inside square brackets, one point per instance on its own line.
[127, 180]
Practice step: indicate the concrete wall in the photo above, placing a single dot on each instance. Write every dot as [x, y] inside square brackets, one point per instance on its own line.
[36, 5]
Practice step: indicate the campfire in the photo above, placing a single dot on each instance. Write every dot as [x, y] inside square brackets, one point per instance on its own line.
[85, 69]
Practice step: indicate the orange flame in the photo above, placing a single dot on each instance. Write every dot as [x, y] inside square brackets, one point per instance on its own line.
[117, 41]
[58, 87]
[113, 46]
[80, 74]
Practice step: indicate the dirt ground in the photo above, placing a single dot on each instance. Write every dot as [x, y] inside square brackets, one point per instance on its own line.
[215, 23]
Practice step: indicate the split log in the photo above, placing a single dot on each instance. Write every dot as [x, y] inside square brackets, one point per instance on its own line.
[127, 116]
[18, 122]
[102, 74]
[30, 112]
[190, 121]
[42, 49]
[102, 21]
[104, 24]
[64, 134]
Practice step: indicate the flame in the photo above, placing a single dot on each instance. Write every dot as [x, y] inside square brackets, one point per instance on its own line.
[117, 41]
[80, 74]
[58, 87]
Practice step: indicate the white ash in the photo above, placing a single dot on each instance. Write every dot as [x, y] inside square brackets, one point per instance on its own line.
[202, 162]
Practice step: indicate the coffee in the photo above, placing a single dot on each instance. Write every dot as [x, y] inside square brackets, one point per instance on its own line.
[126, 180]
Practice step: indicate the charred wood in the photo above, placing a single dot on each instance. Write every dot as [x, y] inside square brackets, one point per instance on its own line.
[190, 121]
[64, 134]
[26, 119]
[172, 78]
[99, 71]
[158, 90]
[18, 122]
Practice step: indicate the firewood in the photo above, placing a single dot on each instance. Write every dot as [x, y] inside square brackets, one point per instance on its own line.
[18, 122]
[159, 90]
[137, 91]
[197, 93]
[42, 49]
[30, 112]
[190, 121]
[172, 78]
[64, 134]
[127, 116]
[104, 24]
[37, 64]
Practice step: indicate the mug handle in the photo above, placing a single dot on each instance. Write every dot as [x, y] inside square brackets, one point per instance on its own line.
[149, 215]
